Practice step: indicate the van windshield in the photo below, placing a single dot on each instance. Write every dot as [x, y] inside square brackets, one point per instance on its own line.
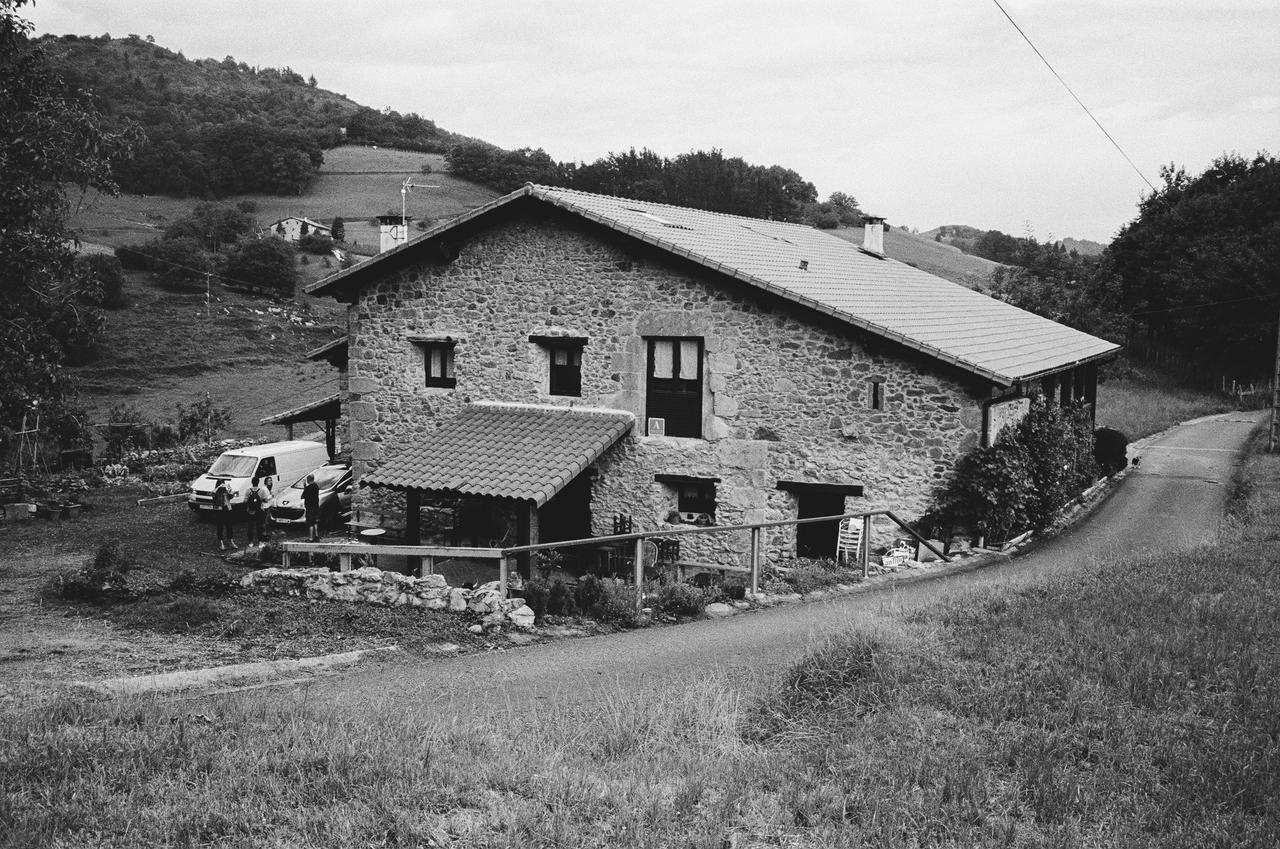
[234, 466]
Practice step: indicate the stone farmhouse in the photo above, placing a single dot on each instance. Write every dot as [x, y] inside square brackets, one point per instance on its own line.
[293, 228]
[553, 360]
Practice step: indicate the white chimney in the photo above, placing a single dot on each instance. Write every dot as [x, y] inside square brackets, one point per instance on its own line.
[873, 236]
[392, 230]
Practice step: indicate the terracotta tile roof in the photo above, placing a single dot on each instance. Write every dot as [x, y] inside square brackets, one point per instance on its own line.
[518, 451]
[885, 297]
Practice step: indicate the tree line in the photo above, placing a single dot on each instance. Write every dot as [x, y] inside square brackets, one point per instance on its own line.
[699, 179]
[1198, 269]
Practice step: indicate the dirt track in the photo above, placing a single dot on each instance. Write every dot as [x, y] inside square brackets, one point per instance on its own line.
[1175, 498]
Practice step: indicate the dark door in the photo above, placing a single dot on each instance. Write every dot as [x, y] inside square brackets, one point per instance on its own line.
[818, 539]
[568, 515]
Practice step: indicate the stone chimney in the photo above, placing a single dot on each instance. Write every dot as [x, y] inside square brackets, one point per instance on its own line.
[873, 236]
[392, 230]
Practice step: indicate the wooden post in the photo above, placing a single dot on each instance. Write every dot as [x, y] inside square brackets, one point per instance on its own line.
[865, 553]
[639, 573]
[344, 561]
[504, 569]
[284, 559]
[755, 560]
[413, 526]
[428, 567]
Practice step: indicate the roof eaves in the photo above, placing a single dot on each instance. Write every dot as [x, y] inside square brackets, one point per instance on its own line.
[1110, 352]
[277, 418]
[318, 353]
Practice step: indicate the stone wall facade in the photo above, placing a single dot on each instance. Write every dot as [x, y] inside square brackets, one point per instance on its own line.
[787, 394]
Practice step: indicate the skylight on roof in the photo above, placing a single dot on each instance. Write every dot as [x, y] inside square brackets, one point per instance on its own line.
[659, 219]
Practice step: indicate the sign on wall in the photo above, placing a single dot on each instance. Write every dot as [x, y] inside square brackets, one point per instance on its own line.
[1003, 414]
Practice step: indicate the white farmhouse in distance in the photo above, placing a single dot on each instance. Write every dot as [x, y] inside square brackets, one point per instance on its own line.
[293, 228]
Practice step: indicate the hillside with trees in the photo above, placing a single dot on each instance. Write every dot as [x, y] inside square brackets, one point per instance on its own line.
[219, 128]
[215, 128]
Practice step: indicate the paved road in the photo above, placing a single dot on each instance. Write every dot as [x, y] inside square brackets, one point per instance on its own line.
[1174, 498]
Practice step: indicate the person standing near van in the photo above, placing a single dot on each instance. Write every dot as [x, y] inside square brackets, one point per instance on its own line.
[255, 507]
[311, 504]
[222, 515]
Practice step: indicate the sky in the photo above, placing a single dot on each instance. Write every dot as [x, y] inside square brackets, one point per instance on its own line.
[928, 112]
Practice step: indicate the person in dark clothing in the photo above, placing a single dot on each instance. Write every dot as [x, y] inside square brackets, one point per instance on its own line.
[222, 515]
[255, 508]
[311, 504]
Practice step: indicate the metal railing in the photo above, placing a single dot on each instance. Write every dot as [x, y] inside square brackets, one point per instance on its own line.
[429, 553]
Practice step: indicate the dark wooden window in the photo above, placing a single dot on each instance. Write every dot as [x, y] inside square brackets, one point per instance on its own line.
[875, 394]
[674, 384]
[695, 498]
[437, 363]
[566, 370]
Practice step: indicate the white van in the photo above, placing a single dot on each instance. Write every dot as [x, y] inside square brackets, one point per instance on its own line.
[280, 463]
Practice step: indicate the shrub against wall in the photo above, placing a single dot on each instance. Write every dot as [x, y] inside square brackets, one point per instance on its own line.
[1025, 478]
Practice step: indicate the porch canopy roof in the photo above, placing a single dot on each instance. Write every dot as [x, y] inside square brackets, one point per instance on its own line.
[329, 407]
[520, 451]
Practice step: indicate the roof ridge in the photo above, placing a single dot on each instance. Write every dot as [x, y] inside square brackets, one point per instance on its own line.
[700, 211]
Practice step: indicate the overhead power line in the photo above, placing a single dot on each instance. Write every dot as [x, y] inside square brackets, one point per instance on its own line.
[1092, 117]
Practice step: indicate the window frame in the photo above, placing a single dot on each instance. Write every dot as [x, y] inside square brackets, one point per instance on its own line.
[876, 395]
[563, 381]
[447, 379]
[669, 392]
[693, 495]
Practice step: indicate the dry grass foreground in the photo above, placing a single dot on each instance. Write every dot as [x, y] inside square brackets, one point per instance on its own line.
[1137, 704]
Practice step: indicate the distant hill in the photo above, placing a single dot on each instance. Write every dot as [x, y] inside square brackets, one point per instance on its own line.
[220, 127]
[997, 246]
[919, 251]
[1084, 247]
[356, 182]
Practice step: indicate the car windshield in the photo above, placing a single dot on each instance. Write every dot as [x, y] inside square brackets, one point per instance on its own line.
[234, 466]
[326, 477]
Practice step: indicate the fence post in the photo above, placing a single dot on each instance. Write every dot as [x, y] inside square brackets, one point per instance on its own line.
[865, 553]
[639, 573]
[504, 569]
[284, 559]
[755, 560]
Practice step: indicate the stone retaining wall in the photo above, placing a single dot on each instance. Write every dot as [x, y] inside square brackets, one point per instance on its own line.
[392, 589]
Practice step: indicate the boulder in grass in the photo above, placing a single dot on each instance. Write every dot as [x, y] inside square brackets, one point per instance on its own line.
[457, 599]
[719, 610]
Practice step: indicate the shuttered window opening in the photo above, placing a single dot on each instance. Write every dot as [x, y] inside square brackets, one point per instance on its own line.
[437, 360]
[674, 385]
[566, 371]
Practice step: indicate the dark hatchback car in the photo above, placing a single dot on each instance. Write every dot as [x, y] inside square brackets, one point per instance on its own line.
[334, 480]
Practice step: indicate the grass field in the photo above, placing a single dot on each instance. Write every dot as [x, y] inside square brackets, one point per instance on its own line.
[1136, 704]
[945, 261]
[1138, 400]
[355, 183]
[247, 354]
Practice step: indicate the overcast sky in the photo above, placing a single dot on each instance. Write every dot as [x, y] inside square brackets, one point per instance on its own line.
[927, 111]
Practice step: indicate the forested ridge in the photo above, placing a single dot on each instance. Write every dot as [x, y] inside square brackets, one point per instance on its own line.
[214, 128]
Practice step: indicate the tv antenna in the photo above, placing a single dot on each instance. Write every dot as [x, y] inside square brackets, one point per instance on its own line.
[405, 187]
